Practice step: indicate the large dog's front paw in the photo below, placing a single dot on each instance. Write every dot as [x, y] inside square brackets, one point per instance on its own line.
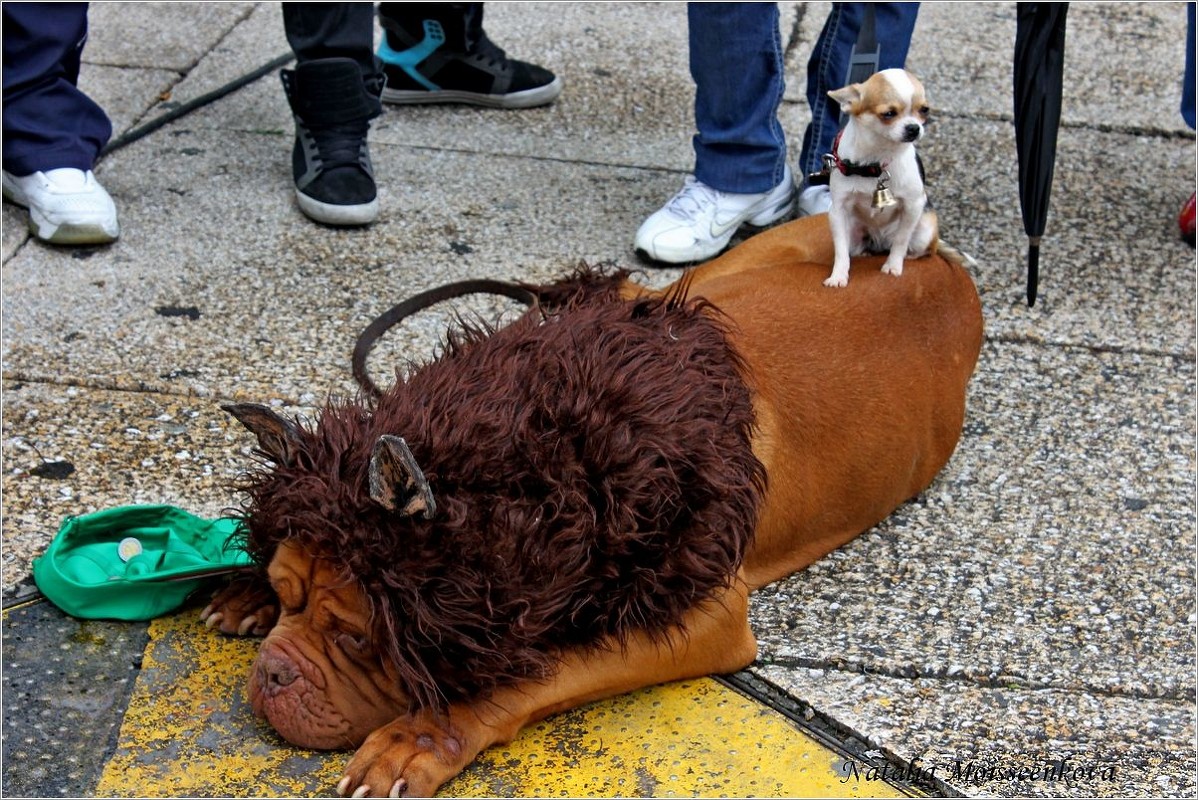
[410, 757]
[247, 605]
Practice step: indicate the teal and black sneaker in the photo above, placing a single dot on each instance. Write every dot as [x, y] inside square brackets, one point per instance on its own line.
[439, 53]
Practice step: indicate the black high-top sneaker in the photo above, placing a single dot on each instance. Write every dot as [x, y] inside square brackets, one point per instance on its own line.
[333, 106]
[439, 53]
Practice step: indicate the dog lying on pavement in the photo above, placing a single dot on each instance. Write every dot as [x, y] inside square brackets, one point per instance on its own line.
[579, 504]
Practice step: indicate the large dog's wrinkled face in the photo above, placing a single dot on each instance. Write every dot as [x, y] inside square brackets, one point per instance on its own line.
[318, 679]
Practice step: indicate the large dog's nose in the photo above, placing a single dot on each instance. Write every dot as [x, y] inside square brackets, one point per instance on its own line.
[274, 672]
[911, 132]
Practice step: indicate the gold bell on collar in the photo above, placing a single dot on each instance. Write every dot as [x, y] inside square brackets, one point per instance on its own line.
[883, 197]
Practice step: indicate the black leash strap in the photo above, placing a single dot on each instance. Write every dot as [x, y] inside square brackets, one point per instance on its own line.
[392, 316]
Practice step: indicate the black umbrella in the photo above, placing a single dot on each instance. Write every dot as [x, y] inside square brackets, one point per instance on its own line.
[1039, 75]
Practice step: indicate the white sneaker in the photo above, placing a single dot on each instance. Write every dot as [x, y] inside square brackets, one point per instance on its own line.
[699, 221]
[66, 206]
[815, 200]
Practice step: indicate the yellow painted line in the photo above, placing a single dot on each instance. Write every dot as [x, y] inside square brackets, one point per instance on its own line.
[189, 730]
[688, 739]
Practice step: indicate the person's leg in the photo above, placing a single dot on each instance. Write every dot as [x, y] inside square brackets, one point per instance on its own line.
[334, 93]
[740, 175]
[48, 122]
[317, 31]
[53, 132]
[439, 53]
[736, 61]
[828, 68]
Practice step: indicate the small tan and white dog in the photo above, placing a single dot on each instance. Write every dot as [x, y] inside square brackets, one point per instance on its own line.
[877, 147]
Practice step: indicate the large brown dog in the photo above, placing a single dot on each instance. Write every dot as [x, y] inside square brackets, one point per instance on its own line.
[429, 606]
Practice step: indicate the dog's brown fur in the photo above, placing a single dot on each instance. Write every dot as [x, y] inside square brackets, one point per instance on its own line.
[593, 475]
[857, 401]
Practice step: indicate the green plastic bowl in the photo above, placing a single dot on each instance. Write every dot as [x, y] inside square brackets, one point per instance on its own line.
[134, 562]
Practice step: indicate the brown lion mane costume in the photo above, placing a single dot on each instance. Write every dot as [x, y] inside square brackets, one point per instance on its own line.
[592, 472]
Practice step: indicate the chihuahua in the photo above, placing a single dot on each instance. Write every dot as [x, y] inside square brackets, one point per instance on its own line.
[878, 198]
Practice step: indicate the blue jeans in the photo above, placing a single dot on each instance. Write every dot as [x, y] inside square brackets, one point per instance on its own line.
[736, 61]
[48, 122]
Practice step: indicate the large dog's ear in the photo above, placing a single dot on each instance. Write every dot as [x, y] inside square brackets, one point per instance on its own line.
[396, 480]
[278, 438]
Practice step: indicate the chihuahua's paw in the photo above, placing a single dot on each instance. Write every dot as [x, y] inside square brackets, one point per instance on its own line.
[246, 606]
[410, 757]
[893, 268]
[836, 280]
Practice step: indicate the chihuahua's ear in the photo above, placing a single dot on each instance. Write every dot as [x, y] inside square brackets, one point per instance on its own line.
[847, 97]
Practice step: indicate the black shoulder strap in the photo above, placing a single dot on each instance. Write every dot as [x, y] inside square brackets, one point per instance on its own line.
[866, 54]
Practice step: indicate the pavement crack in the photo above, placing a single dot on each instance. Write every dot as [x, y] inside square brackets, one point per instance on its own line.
[1100, 127]
[1007, 680]
[1116, 349]
[178, 112]
[851, 744]
[16, 251]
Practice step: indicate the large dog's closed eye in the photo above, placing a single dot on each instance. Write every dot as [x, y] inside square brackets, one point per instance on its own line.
[578, 505]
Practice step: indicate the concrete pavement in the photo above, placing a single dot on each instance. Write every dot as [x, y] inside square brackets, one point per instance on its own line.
[1026, 627]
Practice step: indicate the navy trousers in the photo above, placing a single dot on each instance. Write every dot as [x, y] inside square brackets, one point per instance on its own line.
[48, 122]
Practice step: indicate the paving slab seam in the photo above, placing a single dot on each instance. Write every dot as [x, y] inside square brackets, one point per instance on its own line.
[1098, 127]
[182, 73]
[585, 162]
[1114, 349]
[1004, 680]
[19, 377]
[18, 249]
[853, 745]
[186, 70]
[24, 595]
[195, 104]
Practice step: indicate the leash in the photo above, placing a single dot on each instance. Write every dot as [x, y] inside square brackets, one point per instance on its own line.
[392, 317]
